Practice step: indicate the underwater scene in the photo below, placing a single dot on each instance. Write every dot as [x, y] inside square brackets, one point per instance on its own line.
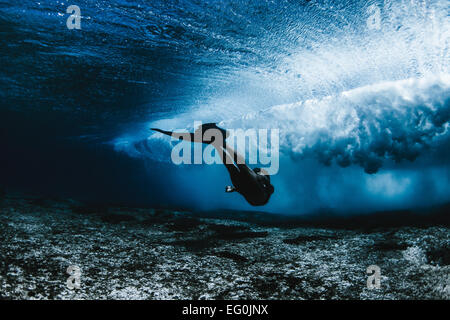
[225, 150]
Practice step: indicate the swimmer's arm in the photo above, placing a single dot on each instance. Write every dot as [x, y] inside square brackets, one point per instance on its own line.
[229, 189]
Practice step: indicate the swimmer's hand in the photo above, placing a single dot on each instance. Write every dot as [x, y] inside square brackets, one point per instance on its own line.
[229, 189]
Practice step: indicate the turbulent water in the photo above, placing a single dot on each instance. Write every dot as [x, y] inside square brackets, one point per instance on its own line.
[360, 90]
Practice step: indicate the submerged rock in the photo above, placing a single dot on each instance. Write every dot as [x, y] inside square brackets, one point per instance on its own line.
[132, 253]
[307, 238]
[439, 256]
[230, 255]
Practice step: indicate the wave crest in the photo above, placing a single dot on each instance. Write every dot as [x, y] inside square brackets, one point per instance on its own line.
[392, 120]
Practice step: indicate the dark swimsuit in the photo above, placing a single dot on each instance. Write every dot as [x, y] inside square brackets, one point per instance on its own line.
[255, 188]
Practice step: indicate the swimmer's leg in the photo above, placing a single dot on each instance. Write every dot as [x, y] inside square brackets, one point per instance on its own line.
[235, 173]
[185, 136]
[207, 133]
[245, 172]
[228, 156]
[237, 158]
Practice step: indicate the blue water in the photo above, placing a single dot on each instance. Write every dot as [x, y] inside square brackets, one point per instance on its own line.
[363, 111]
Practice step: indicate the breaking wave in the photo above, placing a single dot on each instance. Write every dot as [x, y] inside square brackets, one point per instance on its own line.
[339, 91]
[396, 120]
[391, 120]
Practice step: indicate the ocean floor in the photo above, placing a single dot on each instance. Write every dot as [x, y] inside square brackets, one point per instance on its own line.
[137, 253]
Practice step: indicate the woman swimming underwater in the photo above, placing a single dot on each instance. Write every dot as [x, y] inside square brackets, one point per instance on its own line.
[254, 184]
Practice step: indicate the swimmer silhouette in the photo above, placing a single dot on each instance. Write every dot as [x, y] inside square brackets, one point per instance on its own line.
[254, 184]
